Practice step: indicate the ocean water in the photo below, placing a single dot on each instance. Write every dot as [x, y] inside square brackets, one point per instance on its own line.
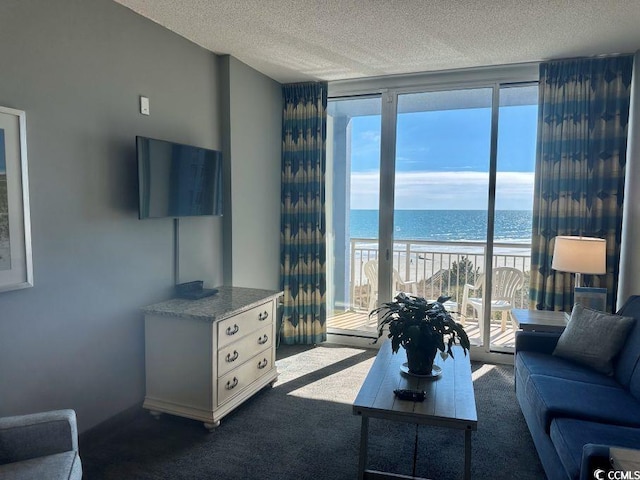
[511, 226]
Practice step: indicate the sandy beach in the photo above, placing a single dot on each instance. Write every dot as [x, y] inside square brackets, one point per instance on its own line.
[420, 261]
[427, 266]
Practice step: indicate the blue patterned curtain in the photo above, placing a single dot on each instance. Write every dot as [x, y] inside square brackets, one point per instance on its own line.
[302, 230]
[579, 179]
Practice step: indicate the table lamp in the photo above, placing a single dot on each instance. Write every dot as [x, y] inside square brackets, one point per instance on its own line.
[580, 255]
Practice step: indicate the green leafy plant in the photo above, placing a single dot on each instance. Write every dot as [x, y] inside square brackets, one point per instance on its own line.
[462, 272]
[415, 323]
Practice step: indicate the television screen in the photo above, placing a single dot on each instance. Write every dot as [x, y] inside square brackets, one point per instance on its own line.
[177, 180]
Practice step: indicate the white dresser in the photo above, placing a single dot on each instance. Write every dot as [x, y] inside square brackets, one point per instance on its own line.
[205, 357]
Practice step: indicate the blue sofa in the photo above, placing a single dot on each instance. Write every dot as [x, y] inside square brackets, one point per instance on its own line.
[574, 413]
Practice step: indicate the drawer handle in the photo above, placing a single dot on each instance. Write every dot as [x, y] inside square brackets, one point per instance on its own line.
[263, 339]
[233, 331]
[232, 384]
[233, 358]
[263, 316]
[263, 363]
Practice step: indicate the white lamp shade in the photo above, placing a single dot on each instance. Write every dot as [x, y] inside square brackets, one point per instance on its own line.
[580, 255]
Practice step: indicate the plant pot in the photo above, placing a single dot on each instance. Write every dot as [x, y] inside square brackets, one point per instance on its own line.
[420, 360]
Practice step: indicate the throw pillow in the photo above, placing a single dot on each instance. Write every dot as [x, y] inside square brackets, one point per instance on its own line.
[593, 338]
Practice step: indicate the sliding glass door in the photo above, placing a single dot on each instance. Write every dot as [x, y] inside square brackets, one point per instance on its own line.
[430, 193]
[441, 194]
[515, 166]
[353, 199]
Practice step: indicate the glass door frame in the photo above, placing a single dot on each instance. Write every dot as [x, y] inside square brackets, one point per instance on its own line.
[390, 88]
[387, 191]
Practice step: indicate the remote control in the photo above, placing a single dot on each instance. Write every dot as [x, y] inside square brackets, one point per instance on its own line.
[413, 395]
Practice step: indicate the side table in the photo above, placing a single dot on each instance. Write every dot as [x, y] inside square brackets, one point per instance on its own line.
[539, 320]
[625, 459]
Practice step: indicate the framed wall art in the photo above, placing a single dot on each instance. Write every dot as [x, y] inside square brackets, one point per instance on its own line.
[16, 268]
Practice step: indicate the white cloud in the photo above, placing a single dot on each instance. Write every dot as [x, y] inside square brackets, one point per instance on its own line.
[422, 190]
[370, 136]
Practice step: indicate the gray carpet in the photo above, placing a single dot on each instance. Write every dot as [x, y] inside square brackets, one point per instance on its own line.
[303, 428]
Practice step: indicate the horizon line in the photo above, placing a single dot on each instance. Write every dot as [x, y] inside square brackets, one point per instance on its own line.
[446, 209]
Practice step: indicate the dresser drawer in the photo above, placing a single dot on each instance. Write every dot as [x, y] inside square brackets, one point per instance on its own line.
[238, 326]
[237, 353]
[237, 380]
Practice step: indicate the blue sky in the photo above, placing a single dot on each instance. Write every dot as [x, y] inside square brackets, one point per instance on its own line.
[442, 159]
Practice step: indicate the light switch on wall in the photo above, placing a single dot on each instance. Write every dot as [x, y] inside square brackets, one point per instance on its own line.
[144, 105]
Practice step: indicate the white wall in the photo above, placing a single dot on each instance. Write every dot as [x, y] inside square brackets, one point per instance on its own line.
[630, 255]
[253, 118]
[77, 67]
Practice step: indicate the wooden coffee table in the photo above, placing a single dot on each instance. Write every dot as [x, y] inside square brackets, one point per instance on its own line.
[450, 401]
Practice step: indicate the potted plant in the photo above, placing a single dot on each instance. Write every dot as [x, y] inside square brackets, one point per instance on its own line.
[422, 328]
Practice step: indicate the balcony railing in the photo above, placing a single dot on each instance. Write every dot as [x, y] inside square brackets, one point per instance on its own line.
[437, 268]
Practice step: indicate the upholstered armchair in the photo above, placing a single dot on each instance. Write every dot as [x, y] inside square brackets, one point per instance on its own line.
[40, 445]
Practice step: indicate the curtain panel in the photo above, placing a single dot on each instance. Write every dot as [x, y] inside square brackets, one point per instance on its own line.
[303, 228]
[580, 169]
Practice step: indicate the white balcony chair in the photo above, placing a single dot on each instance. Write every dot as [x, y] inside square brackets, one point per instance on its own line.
[371, 272]
[505, 284]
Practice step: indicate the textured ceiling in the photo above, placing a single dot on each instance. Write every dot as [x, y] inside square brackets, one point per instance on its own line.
[296, 40]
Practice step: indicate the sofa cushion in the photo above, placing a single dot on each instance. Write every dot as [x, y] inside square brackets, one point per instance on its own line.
[63, 466]
[593, 338]
[534, 363]
[569, 437]
[552, 397]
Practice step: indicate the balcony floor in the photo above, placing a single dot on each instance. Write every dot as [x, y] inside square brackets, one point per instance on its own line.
[353, 320]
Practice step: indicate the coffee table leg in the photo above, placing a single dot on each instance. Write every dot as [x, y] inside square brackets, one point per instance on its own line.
[467, 454]
[364, 439]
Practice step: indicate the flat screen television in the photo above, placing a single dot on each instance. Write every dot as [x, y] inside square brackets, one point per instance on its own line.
[176, 180]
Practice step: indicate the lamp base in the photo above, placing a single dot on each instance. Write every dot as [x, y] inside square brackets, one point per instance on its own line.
[578, 280]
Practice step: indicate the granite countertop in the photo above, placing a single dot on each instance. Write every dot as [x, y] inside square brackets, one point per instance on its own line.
[228, 301]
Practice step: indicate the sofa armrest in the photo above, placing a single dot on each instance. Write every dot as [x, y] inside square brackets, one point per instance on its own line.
[35, 435]
[594, 457]
[541, 342]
